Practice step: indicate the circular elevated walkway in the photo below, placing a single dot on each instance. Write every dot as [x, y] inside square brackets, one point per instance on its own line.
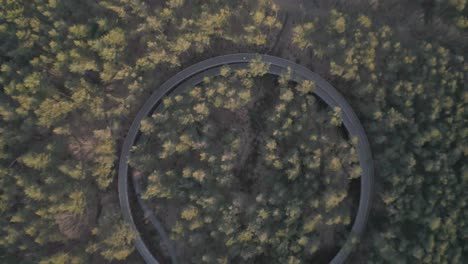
[192, 76]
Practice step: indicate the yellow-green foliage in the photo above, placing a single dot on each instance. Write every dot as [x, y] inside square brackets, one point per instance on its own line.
[212, 149]
[74, 73]
[411, 97]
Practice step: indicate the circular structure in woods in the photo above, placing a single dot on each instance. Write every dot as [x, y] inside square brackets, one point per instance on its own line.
[193, 76]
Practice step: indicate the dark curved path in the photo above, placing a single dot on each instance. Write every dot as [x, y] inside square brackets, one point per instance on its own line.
[211, 67]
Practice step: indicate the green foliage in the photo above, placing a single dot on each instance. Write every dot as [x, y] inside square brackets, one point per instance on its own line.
[60, 258]
[412, 100]
[51, 111]
[246, 174]
[103, 168]
[73, 73]
[257, 67]
[113, 238]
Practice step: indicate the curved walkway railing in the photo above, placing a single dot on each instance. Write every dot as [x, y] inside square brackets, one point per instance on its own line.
[192, 76]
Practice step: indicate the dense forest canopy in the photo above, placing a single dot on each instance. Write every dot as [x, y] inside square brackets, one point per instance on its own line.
[74, 73]
[235, 172]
